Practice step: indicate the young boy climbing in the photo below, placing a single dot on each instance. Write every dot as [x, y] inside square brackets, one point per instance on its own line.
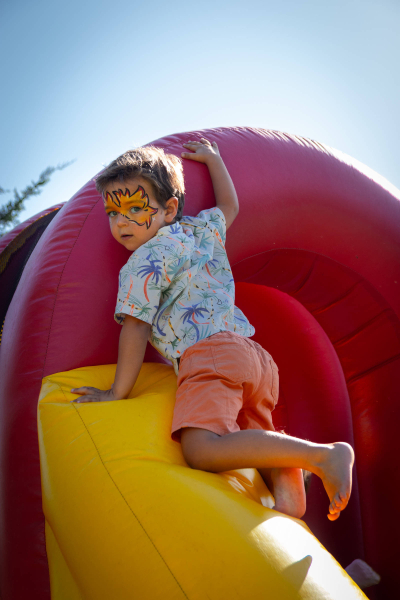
[177, 291]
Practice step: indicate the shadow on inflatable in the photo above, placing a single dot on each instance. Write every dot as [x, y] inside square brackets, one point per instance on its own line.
[97, 500]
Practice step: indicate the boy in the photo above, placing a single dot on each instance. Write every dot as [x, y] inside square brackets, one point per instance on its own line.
[177, 290]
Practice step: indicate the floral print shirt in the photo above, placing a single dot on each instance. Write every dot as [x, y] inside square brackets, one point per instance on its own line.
[181, 282]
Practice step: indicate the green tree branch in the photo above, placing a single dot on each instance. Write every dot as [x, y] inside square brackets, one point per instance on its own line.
[10, 211]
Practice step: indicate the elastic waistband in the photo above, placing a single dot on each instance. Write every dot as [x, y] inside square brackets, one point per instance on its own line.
[222, 334]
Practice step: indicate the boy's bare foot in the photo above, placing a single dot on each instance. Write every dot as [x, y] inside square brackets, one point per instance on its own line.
[288, 490]
[336, 474]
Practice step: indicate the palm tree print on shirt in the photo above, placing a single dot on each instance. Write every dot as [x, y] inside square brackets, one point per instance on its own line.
[150, 270]
[181, 282]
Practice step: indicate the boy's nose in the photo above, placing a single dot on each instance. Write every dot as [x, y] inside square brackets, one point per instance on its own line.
[121, 220]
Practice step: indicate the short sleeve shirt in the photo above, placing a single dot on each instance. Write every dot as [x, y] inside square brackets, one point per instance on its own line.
[181, 283]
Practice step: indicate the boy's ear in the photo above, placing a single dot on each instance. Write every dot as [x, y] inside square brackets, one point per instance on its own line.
[171, 209]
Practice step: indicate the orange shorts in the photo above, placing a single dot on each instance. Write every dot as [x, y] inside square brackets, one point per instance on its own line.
[226, 383]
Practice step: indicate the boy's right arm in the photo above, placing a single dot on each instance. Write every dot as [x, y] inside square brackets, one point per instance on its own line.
[225, 194]
[132, 345]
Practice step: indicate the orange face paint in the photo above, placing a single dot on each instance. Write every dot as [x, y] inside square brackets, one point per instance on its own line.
[133, 207]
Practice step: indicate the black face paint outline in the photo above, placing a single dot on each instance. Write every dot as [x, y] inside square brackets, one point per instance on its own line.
[143, 203]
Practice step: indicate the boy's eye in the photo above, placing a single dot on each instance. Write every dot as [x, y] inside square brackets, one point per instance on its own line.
[112, 213]
[134, 209]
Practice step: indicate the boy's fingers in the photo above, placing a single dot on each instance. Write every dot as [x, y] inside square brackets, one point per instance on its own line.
[191, 155]
[86, 390]
[83, 399]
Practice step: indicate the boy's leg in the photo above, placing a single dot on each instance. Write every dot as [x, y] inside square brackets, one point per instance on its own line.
[286, 484]
[260, 449]
[288, 489]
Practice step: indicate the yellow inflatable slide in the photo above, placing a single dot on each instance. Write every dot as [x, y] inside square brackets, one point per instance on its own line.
[126, 518]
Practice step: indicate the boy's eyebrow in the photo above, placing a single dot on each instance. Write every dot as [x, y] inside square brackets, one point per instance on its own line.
[108, 198]
[137, 200]
[114, 206]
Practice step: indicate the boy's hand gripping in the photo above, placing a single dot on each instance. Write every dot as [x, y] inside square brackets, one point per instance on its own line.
[132, 345]
[225, 194]
[202, 151]
[91, 394]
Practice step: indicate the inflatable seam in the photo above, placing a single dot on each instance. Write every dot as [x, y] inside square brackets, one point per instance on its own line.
[372, 369]
[306, 278]
[251, 257]
[322, 309]
[126, 502]
[354, 334]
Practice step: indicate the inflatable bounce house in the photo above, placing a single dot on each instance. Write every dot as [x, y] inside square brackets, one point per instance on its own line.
[97, 501]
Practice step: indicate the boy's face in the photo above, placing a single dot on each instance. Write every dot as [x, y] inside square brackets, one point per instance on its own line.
[134, 214]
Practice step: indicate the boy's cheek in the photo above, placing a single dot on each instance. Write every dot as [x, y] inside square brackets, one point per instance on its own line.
[114, 232]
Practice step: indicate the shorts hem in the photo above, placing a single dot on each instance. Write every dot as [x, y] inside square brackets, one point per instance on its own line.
[176, 433]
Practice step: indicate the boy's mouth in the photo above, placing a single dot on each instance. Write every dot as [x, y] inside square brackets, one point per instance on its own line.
[126, 235]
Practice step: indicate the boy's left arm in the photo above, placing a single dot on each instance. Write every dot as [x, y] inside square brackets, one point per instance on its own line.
[224, 190]
[132, 345]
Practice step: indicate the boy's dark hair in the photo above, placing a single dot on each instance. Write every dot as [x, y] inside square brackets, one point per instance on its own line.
[163, 171]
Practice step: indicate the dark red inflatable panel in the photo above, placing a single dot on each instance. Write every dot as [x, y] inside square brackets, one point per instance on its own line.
[15, 248]
[313, 399]
[8, 237]
[315, 251]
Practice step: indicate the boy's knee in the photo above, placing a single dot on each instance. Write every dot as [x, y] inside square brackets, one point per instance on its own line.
[197, 448]
[196, 460]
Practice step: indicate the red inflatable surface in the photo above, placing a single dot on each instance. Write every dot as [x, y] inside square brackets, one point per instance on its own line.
[315, 252]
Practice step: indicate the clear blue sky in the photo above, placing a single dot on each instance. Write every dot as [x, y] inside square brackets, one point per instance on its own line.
[87, 80]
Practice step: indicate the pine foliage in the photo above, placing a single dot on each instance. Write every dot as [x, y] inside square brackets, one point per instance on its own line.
[10, 210]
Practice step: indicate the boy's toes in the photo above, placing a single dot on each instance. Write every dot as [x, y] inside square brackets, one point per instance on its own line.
[342, 501]
[336, 506]
[333, 517]
[334, 510]
[339, 502]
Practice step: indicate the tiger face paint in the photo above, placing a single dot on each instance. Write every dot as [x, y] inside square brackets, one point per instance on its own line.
[134, 207]
[134, 215]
